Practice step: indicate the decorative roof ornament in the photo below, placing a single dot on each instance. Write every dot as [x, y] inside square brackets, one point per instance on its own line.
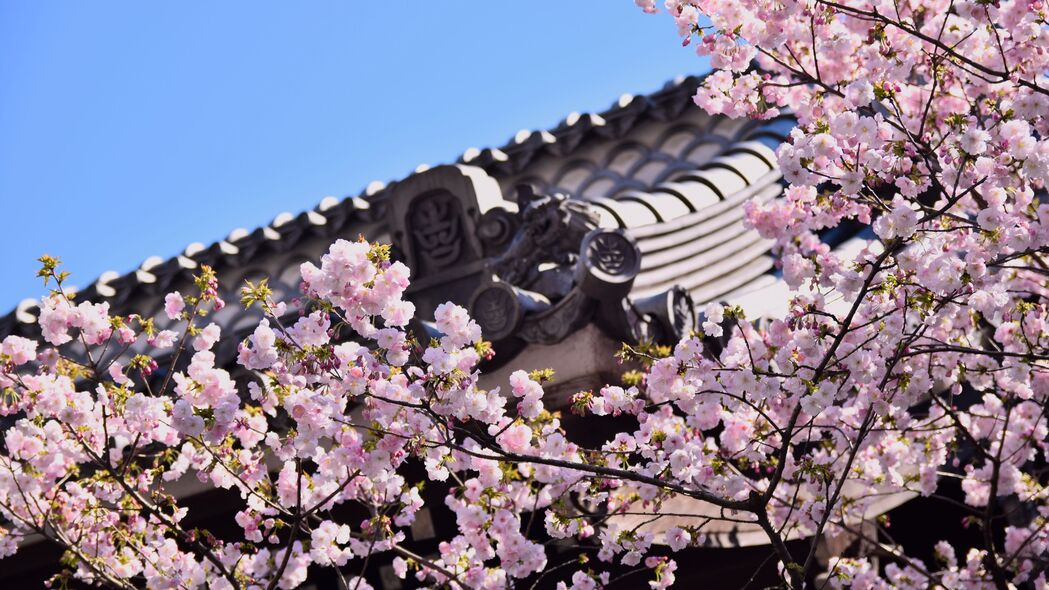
[672, 177]
[530, 271]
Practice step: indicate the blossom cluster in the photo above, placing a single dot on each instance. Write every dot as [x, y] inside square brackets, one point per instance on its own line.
[342, 401]
[916, 357]
[920, 353]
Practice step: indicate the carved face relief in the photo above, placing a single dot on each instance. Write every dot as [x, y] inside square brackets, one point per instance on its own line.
[492, 310]
[611, 253]
[436, 229]
[496, 310]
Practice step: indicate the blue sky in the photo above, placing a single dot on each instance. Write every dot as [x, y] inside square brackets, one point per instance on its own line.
[130, 129]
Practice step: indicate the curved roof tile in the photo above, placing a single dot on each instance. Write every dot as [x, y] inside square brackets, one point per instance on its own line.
[629, 201]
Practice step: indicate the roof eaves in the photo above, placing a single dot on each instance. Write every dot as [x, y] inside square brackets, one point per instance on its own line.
[155, 274]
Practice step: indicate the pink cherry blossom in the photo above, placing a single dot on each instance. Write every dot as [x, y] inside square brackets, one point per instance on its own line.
[911, 361]
[173, 305]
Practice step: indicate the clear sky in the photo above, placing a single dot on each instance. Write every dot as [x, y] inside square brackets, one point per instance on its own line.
[130, 129]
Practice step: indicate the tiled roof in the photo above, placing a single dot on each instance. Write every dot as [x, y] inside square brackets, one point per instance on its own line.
[659, 168]
[654, 164]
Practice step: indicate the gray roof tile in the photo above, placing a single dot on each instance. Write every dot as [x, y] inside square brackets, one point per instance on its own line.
[614, 158]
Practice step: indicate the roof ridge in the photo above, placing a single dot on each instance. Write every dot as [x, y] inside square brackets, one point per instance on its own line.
[511, 157]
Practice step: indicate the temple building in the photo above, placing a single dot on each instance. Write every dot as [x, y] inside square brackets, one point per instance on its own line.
[611, 227]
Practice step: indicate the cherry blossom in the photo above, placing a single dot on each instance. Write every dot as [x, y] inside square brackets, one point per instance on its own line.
[912, 363]
[918, 352]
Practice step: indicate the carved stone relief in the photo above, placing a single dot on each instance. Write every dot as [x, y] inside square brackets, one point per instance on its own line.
[532, 271]
[437, 233]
